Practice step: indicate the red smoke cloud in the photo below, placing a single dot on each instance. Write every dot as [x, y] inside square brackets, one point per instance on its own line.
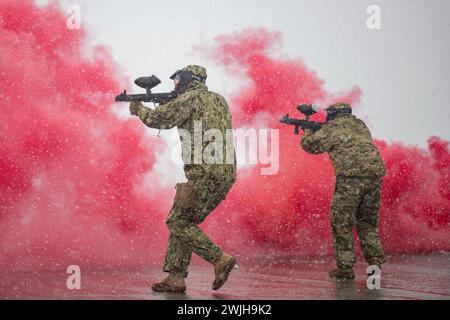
[288, 212]
[72, 173]
[69, 167]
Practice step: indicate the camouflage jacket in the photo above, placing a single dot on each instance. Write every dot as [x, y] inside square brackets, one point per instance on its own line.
[194, 113]
[350, 146]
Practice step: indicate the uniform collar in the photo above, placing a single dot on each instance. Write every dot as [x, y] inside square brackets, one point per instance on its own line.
[196, 85]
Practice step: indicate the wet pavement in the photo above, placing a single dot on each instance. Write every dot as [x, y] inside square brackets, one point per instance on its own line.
[403, 277]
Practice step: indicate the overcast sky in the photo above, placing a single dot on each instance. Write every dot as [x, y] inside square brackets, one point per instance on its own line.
[403, 69]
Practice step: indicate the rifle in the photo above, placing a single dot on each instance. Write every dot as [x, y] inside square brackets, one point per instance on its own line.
[148, 83]
[308, 111]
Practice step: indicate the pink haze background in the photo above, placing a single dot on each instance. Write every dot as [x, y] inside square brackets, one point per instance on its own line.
[72, 188]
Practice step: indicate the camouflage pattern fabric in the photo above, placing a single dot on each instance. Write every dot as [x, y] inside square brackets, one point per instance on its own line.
[197, 70]
[356, 201]
[358, 167]
[208, 183]
[349, 145]
[185, 235]
[341, 106]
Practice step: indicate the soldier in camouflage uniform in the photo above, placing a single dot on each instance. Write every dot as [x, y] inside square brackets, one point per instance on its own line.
[207, 185]
[359, 170]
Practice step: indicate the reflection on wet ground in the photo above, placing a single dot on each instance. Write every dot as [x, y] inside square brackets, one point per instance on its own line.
[403, 277]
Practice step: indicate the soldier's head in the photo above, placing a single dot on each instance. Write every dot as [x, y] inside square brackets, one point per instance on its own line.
[338, 109]
[183, 77]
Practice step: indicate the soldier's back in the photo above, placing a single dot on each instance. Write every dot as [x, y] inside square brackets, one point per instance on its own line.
[213, 111]
[213, 114]
[354, 153]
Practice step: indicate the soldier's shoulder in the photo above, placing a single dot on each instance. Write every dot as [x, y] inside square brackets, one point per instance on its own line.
[360, 121]
[331, 124]
[186, 96]
[215, 94]
[355, 121]
[352, 125]
[345, 119]
[217, 97]
[339, 124]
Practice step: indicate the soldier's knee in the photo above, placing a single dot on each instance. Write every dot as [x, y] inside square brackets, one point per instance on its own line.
[342, 217]
[171, 221]
[343, 233]
[172, 224]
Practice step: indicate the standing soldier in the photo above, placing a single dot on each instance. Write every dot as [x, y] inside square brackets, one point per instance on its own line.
[359, 170]
[207, 185]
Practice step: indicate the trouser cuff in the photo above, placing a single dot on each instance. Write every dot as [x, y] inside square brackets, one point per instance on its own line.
[217, 256]
[178, 274]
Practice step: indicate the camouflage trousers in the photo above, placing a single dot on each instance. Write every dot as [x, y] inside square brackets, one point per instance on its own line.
[356, 201]
[193, 202]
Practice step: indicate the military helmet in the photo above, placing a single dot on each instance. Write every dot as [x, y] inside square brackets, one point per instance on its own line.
[199, 71]
[195, 70]
[338, 109]
[340, 106]
[182, 78]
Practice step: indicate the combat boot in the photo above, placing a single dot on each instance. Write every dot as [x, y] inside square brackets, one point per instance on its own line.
[222, 270]
[342, 274]
[170, 284]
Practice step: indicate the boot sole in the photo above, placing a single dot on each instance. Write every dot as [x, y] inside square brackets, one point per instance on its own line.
[218, 283]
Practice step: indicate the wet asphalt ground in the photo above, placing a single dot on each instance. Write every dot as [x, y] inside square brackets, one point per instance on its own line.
[424, 276]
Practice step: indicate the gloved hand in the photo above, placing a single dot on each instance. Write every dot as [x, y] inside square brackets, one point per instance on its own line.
[135, 107]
